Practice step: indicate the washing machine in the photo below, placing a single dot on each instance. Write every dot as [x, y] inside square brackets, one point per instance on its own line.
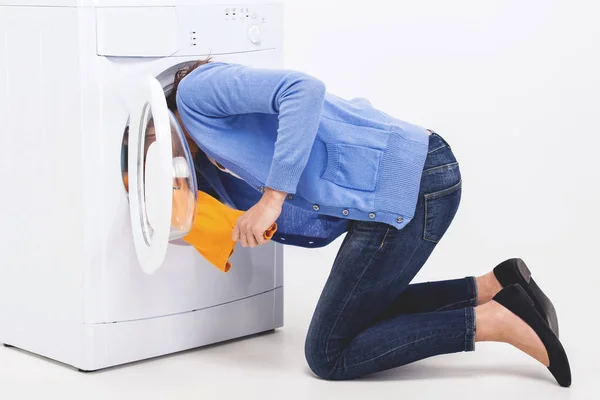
[93, 271]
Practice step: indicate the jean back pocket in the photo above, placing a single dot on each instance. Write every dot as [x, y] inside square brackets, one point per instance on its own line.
[440, 209]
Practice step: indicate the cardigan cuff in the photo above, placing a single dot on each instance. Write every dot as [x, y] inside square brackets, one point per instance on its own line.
[284, 177]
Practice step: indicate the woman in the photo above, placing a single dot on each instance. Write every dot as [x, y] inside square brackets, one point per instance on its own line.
[276, 144]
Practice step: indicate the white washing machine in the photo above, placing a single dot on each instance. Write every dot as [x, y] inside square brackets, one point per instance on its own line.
[89, 275]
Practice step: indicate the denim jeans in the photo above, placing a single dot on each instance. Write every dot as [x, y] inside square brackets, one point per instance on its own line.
[369, 318]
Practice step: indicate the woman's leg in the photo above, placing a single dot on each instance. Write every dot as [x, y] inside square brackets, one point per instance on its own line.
[435, 296]
[445, 295]
[348, 336]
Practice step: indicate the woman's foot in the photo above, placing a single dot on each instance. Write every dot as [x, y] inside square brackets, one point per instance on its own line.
[515, 271]
[495, 323]
[487, 287]
[512, 318]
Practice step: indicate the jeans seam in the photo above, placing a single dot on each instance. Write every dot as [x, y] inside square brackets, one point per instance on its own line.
[440, 167]
[437, 148]
[425, 224]
[470, 329]
[443, 192]
[473, 281]
[391, 350]
[347, 301]
[453, 304]
[384, 237]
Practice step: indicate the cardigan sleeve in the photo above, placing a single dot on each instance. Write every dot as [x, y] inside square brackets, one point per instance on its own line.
[219, 90]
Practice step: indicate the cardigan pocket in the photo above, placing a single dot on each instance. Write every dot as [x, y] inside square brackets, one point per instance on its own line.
[353, 167]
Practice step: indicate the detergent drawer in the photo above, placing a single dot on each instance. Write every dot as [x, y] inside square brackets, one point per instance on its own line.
[137, 31]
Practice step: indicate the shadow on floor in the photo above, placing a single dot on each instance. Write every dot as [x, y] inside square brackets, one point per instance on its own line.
[419, 371]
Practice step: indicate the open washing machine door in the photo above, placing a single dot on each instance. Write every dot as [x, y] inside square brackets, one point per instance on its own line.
[161, 176]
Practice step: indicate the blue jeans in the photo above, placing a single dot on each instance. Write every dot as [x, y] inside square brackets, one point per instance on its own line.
[369, 318]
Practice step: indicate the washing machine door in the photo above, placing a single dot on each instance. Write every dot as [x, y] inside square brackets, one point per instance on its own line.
[161, 176]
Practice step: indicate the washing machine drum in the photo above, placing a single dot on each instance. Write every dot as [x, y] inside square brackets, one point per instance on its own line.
[185, 192]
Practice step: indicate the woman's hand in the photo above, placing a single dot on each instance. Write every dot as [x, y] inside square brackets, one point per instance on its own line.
[251, 226]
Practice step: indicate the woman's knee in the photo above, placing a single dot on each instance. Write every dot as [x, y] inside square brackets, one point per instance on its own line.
[316, 357]
[322, 361]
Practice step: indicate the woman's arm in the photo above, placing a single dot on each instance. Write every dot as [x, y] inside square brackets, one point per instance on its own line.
[219, 90]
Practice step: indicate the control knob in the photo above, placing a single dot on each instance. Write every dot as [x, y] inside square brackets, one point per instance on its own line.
[255, 34]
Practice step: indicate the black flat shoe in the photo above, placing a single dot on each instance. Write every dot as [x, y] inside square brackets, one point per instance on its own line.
[516, 300]
[515, 271]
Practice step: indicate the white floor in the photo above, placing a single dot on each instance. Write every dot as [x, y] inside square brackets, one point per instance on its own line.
[273, 366]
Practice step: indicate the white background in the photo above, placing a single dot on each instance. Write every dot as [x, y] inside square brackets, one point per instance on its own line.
[514, 87]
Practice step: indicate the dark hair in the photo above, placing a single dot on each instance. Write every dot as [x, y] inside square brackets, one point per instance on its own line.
[179, 75]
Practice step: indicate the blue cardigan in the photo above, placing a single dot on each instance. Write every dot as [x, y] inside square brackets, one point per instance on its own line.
[280, 129]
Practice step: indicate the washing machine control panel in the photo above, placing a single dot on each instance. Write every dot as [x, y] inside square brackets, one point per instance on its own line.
[187, 30]
[227, 29]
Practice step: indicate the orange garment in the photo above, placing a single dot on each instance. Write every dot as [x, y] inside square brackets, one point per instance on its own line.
[213, 225]
[212, 230]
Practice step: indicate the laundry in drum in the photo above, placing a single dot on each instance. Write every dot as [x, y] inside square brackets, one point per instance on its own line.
[183, 197]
